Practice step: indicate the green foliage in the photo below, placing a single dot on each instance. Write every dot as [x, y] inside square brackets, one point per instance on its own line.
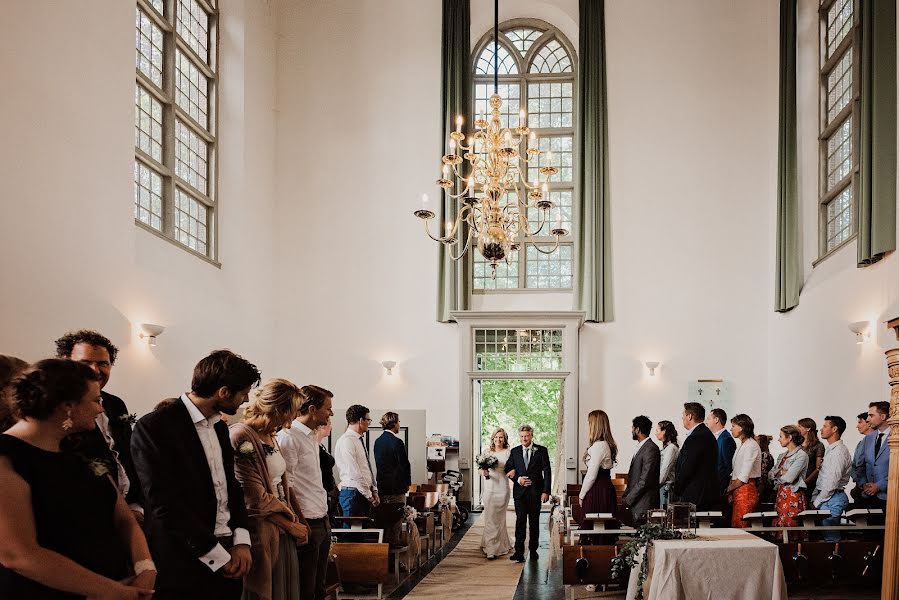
[642, 540]
[509, 403]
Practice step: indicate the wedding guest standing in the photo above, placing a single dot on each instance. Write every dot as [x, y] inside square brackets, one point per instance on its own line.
[300, 445]
[358, 491]
[597, 494]
[643, 475]
[275, 519]
[858, 458]
[196, 520]
[765, 487]
[10, 366]
[67, 531]
[392, 461]
[872, 473]
[696, 472]
[666, 433]
[717, 424]
[743, 491]
[789, 477]
[834, 475]
[110, 441]
[815, 451]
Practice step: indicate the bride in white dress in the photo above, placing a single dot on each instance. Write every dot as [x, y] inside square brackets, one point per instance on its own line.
[495, 498]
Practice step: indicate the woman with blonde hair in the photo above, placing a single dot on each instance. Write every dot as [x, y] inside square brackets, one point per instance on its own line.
[597, 493]
[495, 540]
[276, 522]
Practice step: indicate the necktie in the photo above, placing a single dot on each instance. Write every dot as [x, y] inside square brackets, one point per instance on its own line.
[877, 443]
[527, 457]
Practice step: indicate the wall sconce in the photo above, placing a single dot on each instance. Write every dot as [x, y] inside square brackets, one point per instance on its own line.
[861, 329]
[150, 331]
[388, 364]
[652, 365]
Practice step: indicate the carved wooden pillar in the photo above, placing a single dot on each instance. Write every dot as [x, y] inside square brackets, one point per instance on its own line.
[890, 584]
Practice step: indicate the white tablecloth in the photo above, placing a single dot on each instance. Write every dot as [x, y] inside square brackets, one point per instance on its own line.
[724, 564]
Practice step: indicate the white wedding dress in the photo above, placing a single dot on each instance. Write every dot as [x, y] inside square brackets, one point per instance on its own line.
[495, 498]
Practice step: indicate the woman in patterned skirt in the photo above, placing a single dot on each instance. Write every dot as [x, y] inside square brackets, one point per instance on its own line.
[746, 466]
[789, 477]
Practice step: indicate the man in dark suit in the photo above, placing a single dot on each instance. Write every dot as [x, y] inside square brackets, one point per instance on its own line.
[529, 468]
[716, 421]
[696, 471]
[642, 491]
[392, 461]
[196, 520]
[110, 442]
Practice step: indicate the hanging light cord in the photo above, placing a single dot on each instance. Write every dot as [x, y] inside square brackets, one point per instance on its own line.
[496, 46]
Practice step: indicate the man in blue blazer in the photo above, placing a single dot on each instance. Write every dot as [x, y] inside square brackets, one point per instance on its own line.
[717, 424]
[392, 460]
[871, 472]
[528, 467]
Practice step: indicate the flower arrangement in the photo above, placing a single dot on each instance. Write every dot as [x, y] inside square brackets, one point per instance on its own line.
[630, 553]
[128, 420]
[409, 513]
[246, 450]
[98, 468]
[485, 462]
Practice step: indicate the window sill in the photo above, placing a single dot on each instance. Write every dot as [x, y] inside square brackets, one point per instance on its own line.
[827, 255]
[162, 236]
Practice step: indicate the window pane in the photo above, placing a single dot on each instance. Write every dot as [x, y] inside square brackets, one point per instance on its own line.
[523, 38]
[506, 274]
[147, 123]
[192, 24]
[518, 349]
[839, 219]
[191, 222]
[839, 86]
[550, 105]
[551, 271]
[551, 58]
[839, 23]
[507, 64]
[191, 157]
[562, 201]
[511, 96]
[158, 5]
[191, 89]
[149, 48]
[562, 157]
[839, 153]
[147, 196]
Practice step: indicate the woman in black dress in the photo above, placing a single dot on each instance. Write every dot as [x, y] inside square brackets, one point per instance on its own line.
[67, 532]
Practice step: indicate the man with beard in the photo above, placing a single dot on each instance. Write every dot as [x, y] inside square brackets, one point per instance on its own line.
[196, 520]
[642, 491]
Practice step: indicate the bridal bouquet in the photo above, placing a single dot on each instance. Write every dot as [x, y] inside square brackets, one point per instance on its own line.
[486, 462]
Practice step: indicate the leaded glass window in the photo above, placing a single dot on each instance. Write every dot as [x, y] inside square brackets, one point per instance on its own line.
[536, 73]
[518, 349]
[174, 130]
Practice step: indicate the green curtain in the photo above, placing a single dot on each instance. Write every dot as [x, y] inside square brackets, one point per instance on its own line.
[593, 281]
[788, 281]
[454, 277]
[877, 132]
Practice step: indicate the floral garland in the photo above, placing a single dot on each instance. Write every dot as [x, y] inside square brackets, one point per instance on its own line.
[628, 554]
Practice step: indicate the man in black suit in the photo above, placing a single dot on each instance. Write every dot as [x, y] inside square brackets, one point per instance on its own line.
[196, 520]
[392, 461]
[529, 468]
[642, 491]
[696, 471]
[109, 443]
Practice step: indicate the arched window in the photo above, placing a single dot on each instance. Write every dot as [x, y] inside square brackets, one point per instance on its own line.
[536, 73]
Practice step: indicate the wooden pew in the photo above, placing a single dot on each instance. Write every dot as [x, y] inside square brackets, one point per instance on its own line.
[354, 522]
[599, 571]
[440, 488]
[358, 565]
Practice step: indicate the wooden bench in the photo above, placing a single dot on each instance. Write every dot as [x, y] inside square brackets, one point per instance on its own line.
[440, 488]
[423, 501]
[707, 517]
[354, 522]
[810, 518]
[360, 565]
[599, 571]
[861, 516]
[757, 520]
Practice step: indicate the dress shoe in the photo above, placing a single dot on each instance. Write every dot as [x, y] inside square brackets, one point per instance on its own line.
[491, 557]
[534, 555]
[517, 557]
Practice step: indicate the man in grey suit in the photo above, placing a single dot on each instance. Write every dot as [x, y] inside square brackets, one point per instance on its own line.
[642, 491]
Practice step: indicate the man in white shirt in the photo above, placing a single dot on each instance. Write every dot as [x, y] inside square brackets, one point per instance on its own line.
[834, 475]
[358, 492]
[299, 447]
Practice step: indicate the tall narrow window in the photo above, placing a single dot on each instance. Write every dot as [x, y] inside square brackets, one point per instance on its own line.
[839, 122]
[175, 140]
[536, 73]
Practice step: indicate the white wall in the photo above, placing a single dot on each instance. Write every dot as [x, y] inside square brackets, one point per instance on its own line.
[70, 254]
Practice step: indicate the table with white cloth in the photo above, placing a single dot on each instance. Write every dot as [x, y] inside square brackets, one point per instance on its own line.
[719, 563]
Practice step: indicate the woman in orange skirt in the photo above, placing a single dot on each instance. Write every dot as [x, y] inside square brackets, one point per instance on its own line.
[746, 468]
[789, 478]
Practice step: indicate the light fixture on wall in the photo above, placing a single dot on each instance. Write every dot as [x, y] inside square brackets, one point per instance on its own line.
[150, 332]
[497, 168]
[652, 365]
[389, 365]
[861, 329]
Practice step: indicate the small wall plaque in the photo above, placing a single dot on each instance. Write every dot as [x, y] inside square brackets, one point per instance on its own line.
[711, 393]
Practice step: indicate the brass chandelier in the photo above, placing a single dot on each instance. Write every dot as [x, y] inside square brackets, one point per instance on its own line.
[496, 166]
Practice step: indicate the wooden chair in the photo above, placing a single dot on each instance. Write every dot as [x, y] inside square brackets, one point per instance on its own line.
[599, 571]
[400, 548]
[358, 565]
[423, 501]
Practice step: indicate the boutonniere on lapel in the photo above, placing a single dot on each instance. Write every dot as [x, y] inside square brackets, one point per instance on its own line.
[128, 420]
[246, 450]
[98, 468]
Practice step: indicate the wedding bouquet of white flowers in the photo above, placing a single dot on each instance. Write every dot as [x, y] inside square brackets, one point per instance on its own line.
[486, 462]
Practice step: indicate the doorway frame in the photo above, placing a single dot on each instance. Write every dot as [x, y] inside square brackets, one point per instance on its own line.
[570, 323]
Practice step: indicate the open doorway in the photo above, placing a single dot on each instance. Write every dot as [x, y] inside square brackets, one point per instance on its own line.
[509, 403]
